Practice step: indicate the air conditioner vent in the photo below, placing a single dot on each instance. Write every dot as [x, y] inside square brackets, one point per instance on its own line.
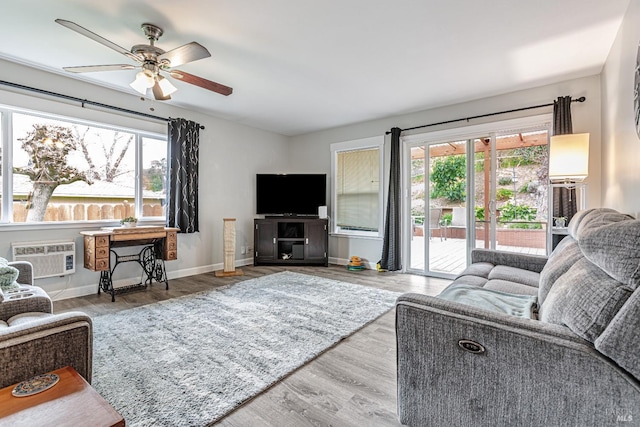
[48, 258]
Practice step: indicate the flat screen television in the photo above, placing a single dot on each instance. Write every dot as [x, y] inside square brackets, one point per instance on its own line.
[290, 194]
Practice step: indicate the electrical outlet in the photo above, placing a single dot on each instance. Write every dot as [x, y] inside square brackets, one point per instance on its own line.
[243, 250]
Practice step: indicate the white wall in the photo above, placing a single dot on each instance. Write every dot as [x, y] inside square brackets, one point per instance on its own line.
[311, 151]
[230, 156]
[621, 145]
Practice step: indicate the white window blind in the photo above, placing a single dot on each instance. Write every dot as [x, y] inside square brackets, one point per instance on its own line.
[357, 189]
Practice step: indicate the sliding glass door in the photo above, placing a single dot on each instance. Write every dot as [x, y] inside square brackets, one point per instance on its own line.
[438, 200]
[483, 191]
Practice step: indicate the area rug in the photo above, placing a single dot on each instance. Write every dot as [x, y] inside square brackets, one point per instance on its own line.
[191, 360]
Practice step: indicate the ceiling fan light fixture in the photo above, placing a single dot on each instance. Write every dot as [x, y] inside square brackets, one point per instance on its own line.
[153, 60]
[166, 86]
[142, 82]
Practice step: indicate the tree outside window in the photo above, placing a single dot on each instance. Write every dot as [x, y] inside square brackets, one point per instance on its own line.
[67, 171]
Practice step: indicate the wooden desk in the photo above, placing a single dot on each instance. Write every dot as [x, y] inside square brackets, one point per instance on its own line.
[160, 244]
[71, 402]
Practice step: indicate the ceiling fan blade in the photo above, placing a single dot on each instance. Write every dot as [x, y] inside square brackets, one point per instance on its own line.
[93, 68]
[93, 36]
[186, 53]
[157, 93]
[203, 83]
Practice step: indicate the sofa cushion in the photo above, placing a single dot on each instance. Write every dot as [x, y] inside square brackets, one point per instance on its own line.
[480, 269]
[470, 280]
[621, 339]
[594, 218]
[22, 318]
[513, 274]
[614, 248]
[585, 299]
[487, 299]
[511, 287]
[573, 225]
[561, 259]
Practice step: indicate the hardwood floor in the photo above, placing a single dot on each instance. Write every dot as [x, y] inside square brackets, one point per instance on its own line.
[351, 384]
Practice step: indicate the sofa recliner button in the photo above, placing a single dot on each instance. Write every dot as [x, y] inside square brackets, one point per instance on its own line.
[471, 346]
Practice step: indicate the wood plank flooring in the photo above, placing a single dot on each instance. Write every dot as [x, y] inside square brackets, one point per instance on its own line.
[351, 384]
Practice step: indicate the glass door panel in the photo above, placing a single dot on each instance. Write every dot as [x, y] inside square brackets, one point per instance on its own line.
[417, 202]
[484, 205]
[511, 207]
[438, 208]
[447, 207]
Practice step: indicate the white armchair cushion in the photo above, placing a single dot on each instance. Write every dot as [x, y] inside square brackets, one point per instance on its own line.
[22, 318]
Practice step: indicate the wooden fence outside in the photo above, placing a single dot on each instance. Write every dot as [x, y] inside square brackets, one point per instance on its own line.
[87, 212]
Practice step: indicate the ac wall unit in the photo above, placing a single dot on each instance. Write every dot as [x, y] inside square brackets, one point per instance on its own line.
[48, 258]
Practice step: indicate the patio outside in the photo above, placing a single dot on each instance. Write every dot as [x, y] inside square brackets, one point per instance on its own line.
[520, 206]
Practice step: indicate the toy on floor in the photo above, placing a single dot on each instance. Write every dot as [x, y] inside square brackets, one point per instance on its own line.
[355, 264]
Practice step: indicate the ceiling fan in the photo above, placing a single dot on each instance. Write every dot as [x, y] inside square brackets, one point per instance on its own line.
[153, 61]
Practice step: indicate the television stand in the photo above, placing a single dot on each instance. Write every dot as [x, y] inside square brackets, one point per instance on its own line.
[291, 241]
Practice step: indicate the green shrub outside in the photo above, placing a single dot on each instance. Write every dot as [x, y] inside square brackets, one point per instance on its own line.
[447, 176]
[504, 194]
[511, 212]
[526, 225]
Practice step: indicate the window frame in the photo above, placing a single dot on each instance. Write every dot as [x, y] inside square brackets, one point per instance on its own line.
[376, 142]
[6, 147]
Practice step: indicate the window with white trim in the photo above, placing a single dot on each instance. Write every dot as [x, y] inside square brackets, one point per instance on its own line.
[357, 189]
[60, 169]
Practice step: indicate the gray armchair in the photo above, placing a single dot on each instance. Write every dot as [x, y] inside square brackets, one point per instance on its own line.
[34, 341]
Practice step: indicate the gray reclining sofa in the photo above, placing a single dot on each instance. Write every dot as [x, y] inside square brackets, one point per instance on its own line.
[574, 362]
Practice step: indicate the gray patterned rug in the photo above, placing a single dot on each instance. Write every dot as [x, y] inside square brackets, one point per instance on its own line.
[191, 360]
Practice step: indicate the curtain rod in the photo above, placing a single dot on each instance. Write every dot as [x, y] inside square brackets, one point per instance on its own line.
[83, 102]
[581, 99]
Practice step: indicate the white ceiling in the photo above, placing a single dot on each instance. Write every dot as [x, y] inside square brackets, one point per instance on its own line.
[298, 66]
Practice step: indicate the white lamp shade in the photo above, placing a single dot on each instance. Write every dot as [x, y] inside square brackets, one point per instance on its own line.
[165, 86]
[569, 157]
[142, 82]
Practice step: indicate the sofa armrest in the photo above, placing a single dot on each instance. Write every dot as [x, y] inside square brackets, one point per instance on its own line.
[530, 372]
[45, 345]
[37, 301]
[512, 259]
[25, 269]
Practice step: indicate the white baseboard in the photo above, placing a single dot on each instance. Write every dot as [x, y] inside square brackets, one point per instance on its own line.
[90, 289]
[78, 291]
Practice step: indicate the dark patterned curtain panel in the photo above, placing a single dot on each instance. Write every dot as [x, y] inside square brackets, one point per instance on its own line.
[391, 246]
[564, 199]
[182, 175]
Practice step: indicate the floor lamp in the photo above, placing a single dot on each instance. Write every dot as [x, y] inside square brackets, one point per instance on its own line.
[229, 249]
[568, 168]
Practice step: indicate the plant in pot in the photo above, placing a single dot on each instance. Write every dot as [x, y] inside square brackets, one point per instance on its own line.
[129, 221]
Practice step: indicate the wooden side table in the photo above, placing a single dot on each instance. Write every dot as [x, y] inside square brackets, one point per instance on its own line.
[160, 245]
[71, 402]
